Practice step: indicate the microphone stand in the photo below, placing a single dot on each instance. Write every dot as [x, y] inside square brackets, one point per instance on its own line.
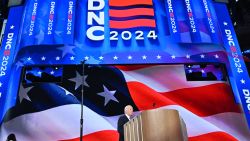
[82, 93]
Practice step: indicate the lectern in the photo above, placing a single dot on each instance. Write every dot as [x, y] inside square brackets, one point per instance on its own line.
[156, 125]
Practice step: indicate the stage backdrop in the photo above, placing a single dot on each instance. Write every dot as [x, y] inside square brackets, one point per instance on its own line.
[51, 110]
[120, 32]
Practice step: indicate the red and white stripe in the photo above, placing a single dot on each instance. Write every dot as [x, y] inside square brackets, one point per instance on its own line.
[161, 78]
[62, 123]
[208, 109]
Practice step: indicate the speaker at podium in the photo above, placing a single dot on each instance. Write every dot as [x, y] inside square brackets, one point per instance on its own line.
[156, 125]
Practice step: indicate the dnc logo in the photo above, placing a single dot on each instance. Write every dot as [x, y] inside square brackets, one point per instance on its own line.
[125, 17]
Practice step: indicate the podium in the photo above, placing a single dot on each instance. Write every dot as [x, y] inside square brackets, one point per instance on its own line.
[156, 125]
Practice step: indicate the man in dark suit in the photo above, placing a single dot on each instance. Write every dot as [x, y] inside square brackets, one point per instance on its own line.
[128, 112]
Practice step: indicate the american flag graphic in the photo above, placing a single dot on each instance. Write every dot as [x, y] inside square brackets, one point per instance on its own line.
[125, 14]
[51, 111]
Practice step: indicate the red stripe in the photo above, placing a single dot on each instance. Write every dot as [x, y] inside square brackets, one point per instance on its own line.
[105, 135]
[129, 2]
[131, 12]
[202, 101]
[214, 136]
[132, 67]
[112, 135]
[132, 23]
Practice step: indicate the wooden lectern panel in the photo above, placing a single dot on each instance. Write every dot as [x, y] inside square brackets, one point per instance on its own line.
[140, 134]
[156, 125]
[161, 125]
[135, 121]
[132, 127]
[125, 127]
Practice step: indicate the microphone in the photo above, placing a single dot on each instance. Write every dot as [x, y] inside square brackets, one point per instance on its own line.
[154, 104]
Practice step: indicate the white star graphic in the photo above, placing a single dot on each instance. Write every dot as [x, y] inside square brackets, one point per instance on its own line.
[66, 91]
[202, 71]
[86, 58]
[225, 23]
[216, 56]
[190, 71]
[29, 58]
[1, 84]
[144, 57]
[12, 27]
[19, 64]
[202, 56]
[40, 37]
[43, 58]
[23, 93]
[130, 57]
[115, 58]
[39, 72]
[188, 56]
[58, 33]
[92, 60]
[72, 58]
[108, 95]
[243, 81]
[67, 50]
[52, 72]
[173, 57]
[57, 58]
[101, 58]
[158, 57]
[78, 80]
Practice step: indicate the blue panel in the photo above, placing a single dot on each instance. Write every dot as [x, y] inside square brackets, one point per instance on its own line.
[7, 53]
[238, 74]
